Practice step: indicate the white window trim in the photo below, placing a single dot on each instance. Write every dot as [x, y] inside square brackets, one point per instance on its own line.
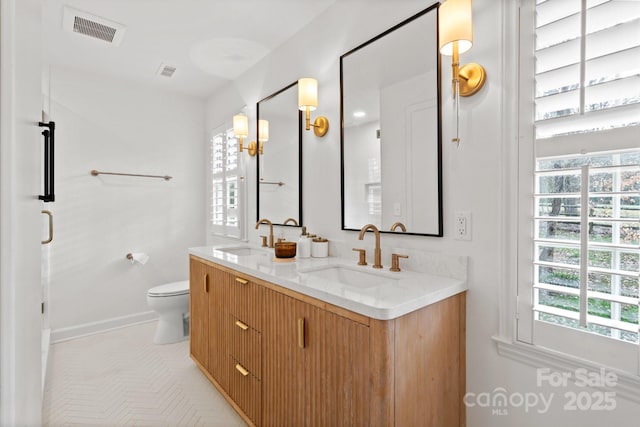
[242, 192]
[627, 385]
[515, 257]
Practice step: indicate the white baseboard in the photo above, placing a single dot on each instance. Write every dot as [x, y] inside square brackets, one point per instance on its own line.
[73, 332]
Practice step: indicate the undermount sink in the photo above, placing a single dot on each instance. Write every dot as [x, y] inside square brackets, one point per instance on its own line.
[243, 251]
[347, 276]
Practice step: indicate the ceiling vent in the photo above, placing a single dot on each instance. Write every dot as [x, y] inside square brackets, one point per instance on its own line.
[92, 26]
[166, 70]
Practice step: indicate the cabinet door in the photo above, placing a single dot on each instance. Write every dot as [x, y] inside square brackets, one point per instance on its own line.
[199, 312]
[320, 378]
[283, 373]
[219, 325]
[337, 370]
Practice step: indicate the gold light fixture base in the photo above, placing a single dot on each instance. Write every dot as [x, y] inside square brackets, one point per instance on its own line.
[472, 78]
[251, 148]
[320, 126]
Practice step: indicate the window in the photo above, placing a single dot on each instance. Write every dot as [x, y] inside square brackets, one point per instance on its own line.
[605, 188]
[226, 186]
[580, 293]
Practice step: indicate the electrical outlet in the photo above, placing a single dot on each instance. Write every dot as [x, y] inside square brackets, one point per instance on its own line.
[463, 226]
[397, 210]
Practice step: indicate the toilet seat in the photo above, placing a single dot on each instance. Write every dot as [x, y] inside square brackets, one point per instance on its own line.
[170, 289]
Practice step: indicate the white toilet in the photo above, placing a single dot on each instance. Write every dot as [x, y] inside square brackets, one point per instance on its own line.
[171, 302]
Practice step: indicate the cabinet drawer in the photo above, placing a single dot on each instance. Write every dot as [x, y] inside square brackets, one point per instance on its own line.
[246, 390]
[246, 346]
[246, 301]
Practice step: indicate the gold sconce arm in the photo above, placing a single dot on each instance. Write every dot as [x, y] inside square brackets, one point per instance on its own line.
[472, 77]
[320, 124]
[455, 33]
[241, 131]
[307, 101]
[251, 148]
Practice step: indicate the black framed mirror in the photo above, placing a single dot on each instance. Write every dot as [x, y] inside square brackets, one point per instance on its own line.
[279, 165]
[391, 145]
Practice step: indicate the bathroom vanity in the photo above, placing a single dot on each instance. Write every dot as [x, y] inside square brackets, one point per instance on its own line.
[326, 342]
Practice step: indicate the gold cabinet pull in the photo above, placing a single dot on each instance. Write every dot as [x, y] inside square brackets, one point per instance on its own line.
[240, 369]
[301, 332]
[241, 325]
[241, 281]
[205, 283]
[50, 215]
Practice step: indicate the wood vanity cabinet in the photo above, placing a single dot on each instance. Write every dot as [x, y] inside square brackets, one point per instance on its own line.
[315, 369]
[293, 360]
[209, 290]
[245, 346]
[199, 312]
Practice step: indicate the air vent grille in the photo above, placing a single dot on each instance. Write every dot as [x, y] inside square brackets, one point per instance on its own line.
[94, 29]
[167, 70]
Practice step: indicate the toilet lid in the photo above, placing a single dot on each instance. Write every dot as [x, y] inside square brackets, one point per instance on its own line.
[170, 289]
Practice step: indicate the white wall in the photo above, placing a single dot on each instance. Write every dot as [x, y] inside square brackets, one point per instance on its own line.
[474, 178]
[116, 126]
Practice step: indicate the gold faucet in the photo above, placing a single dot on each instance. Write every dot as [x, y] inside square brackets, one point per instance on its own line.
[377, 255]
[288, 220]
[399, 224]
[266, 221]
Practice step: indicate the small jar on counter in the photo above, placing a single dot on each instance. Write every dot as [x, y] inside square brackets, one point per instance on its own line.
[319, 247]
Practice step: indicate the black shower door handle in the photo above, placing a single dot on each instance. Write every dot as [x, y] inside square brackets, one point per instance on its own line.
[49, 140]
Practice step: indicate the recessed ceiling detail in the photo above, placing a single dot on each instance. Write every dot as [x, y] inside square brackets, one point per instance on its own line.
[226, 57]
[93, 26]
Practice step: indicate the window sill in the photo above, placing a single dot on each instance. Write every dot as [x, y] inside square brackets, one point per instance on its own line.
[628, 385]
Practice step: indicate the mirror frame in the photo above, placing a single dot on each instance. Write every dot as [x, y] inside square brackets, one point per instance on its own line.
[440, 232]
[273, 95]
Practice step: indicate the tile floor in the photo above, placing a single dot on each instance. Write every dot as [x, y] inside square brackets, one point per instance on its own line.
[120, 378]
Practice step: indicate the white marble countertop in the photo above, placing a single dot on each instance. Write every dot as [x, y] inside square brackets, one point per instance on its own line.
[376, 293]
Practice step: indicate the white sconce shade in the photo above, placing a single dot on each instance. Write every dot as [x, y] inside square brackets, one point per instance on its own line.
[307, 94]
[263, 130]
[455, 25]
[240, 125]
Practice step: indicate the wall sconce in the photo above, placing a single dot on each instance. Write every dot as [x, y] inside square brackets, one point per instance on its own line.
[307, 102]
[263, 134]
[455, 32]
[241, 131]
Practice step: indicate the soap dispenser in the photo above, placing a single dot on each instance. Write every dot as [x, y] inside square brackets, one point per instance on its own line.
[304, 244]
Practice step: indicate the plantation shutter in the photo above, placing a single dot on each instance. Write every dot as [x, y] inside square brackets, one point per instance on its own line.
[587, 67]
[585, 296]
[225, 213]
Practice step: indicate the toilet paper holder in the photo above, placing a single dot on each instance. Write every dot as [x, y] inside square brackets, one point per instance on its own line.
[142, 258]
